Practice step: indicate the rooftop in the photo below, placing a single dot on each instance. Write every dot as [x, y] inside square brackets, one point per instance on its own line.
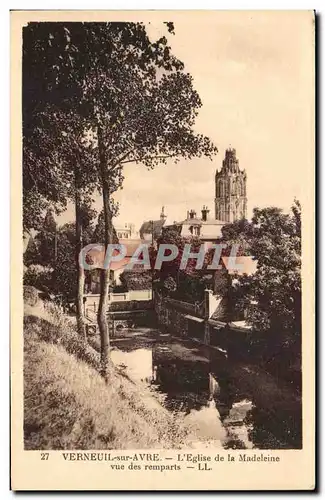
[149, 227]
[208, 222]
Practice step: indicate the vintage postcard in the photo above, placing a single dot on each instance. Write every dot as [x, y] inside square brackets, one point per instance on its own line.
[162, 251]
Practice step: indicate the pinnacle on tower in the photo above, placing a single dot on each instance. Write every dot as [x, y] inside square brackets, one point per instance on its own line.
[162, 214]
[230, 161]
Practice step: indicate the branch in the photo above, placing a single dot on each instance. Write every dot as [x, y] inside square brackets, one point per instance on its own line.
[148, 158]
[120, 160]
[32, 177]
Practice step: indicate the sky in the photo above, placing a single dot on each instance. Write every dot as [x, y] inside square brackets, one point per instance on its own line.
[253, 72]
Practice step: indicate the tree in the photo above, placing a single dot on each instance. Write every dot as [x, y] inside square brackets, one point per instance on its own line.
[277, 282]
[47, 240]
[136, 279]
[70, 157]
[31, 253]
[65, 277]
[58, 158]
[58, 276]
[237, 233]
[65, 273]
[144, 113]
[135, 98]
[39, 277]
[171, 236]
[41, 248]
[273, 293]
[185, 284]
[99, 232]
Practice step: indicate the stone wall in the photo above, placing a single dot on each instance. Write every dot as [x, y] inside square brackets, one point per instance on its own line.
[174, 316]
[189, 320]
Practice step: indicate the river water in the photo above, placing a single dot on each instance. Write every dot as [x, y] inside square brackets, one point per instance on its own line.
[232, 405]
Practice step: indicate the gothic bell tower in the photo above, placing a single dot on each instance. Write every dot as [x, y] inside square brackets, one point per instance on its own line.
[230, 200]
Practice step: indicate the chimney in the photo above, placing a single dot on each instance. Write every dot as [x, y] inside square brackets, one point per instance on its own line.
[205, 211]
[192, 214]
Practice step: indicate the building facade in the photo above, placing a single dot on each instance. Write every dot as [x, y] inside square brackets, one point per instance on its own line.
[231, 195]
[126, 230]
[200, 226]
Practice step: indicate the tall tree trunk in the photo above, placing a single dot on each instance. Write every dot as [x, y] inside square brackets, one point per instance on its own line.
[102, 316]
[80, 270]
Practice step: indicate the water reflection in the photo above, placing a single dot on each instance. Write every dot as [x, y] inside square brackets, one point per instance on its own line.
[137, 363]
[231, 405]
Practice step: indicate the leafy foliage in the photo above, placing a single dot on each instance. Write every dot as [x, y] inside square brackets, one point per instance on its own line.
[58, 275]
[39, 277]
[237, 233]
[112, 75]
[136, 279]
[30, 295]
[273, 294]
[275, 289]
[99, 232]
[130, 96]
[184, 284]
[41, 247]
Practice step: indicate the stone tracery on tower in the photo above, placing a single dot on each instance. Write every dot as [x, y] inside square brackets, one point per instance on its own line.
[231, 196]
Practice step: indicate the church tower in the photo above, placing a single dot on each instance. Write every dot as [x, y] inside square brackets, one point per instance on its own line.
[230, 200]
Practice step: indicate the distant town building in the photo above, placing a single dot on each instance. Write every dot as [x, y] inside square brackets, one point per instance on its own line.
[200, 226]
[152, 229]
[230, 183]
[126, 230]
[116, 268]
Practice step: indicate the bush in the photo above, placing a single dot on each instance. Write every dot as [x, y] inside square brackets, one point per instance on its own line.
[57, 329]
[140, 279]
[39, 277]
[120, 289]
[30, 295]
[132, 305]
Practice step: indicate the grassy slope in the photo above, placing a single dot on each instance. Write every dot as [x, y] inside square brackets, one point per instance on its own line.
[68, 405]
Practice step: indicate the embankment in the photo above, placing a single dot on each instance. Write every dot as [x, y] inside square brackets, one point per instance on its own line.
[67, 404]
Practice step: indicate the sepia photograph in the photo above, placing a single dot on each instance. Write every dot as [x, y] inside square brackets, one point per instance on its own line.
[165, 167]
